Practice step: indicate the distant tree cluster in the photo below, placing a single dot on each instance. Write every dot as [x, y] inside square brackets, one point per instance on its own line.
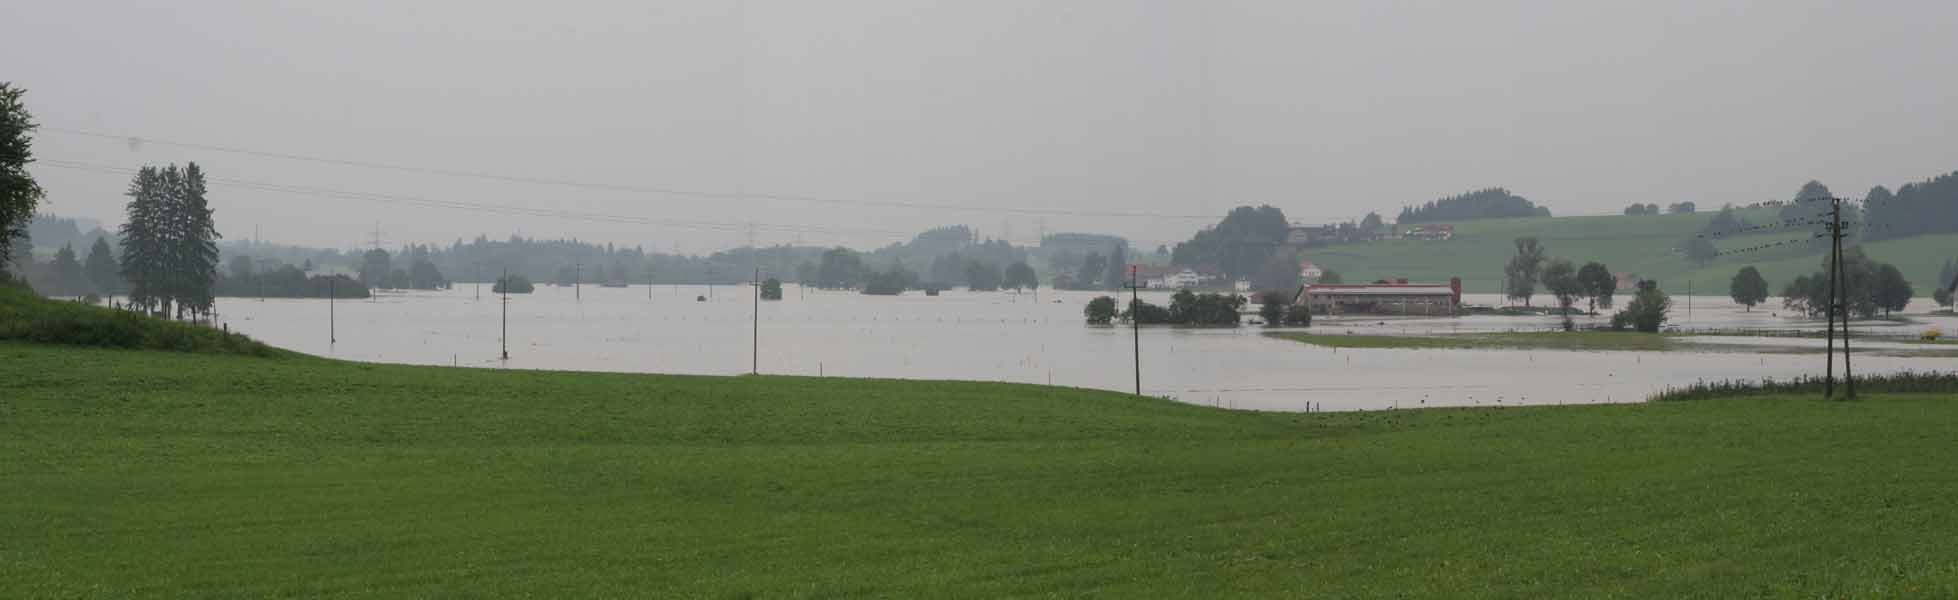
[1809, 206]
[771, 289]
[513, 283]
[1637, 209]
[169, 242]
[890, 282]
[1277, 309]
[1867, 287]
[1921, 208]
[1239, 245]
[1564, 279]
[1189, 308]
[1491, 203]
[288, 281]
[1682, 208]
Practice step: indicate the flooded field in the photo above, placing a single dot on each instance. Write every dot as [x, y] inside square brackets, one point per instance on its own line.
[1018, 338]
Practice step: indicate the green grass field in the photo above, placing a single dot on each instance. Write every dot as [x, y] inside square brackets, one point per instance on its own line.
[161, 474]
[1640, 245]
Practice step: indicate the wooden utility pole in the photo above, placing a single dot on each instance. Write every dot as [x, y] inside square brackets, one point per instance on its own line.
[505, 338]
[1838, 303]
[1135, 325]
[754, 344]
[332, 328]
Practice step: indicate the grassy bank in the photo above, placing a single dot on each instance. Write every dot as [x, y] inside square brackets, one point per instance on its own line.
[175, 474]
[27, 317]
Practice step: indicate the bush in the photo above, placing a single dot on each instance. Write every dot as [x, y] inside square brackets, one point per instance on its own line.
[1271, 307]
[1100, 311]
[513, 284]
[1298, 315]
[1647, 310]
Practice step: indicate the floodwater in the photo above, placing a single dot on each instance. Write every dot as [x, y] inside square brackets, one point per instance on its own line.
[997, 337]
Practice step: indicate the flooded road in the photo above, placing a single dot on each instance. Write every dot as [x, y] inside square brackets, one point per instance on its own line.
[1003, 336]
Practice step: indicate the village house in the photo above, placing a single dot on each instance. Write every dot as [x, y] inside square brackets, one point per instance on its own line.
[1310, 272]
[1430, 232]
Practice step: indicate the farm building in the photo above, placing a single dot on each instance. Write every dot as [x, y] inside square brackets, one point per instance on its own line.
[1395, 298]
[1433, 232]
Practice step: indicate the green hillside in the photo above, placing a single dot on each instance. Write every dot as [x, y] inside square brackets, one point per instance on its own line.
[1635, 244]
[170, 474]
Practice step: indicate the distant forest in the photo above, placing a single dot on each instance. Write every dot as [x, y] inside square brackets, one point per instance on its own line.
[1491, 203]
[1922, 208]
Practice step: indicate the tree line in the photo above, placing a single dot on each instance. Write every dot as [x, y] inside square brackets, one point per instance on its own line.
[1567, 282]
[1488, 203]
[1185, 308]
[1869, 287]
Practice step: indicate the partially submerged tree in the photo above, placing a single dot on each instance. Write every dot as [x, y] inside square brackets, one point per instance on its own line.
[1520, 274]
[1100, 311]
[1748, 287]
[1598, 283]
[1271, 307]
[1560, 278]
[1647, 310]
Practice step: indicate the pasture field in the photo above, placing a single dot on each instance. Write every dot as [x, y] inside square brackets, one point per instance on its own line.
[132, 473]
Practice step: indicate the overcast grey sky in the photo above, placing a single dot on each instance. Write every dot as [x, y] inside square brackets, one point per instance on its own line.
[1326, 110]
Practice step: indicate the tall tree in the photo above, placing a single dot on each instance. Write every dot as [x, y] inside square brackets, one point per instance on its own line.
[1520, 274]
[66, 273]
[1700, 250]
[143, 242]
[1088, 277]
[197, 246]
[1748, 287]
[19, 193]
[101, 269]
[1892, 291]
[981, 277]
[1945, 277]
[1020, 276]
[1598, 283]
[1118, 268]
[1647, 310]
[1560, 278]
[377, 263]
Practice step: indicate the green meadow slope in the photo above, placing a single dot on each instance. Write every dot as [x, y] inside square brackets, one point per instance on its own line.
[1635, 244]
[170, 474]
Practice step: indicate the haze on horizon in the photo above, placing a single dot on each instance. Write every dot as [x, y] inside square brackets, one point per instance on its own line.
[1016, 112]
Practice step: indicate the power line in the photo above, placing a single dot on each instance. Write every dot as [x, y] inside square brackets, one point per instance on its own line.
[612, 187]
[485, 208]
